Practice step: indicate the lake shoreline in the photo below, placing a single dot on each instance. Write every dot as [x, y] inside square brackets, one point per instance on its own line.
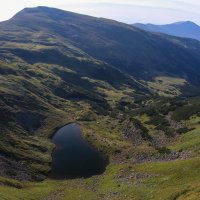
[71, 150]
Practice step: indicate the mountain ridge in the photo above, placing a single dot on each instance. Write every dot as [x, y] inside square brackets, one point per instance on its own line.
[185, 29]
[125, 47]
[135, 95]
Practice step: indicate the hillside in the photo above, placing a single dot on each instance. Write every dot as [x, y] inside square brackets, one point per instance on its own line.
[141, 54]
[133, 93]
[180, 29]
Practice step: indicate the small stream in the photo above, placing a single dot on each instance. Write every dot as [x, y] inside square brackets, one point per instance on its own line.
[74, 157]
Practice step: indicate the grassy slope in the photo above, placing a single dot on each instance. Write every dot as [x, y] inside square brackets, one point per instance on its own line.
[170, 180]
[159, 181]
[130, 49]
[123, 179]
[71, 86]
[36, 99]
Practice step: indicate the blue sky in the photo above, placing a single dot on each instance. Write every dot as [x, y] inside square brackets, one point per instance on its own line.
[129, 11]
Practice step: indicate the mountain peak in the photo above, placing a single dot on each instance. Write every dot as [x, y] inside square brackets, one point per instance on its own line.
[185, 23]
[45, 12]
[186, 29]
[40, 9]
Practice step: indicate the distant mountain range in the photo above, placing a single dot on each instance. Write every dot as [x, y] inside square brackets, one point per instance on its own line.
[185, 29]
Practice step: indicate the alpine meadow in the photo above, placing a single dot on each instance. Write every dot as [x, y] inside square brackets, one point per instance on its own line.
[96, 109]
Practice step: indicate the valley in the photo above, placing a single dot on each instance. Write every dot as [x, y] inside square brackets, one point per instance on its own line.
[133, 93]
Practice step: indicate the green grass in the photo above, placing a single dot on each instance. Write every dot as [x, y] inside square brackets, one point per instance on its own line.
[167, 86]
[123, 179]
[170, 177]
[11, 182]
[55, 80]
[188, 141]
[147, 181]
[31, 191]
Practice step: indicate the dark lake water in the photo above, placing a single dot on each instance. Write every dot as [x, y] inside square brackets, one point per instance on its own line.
[73, 156]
